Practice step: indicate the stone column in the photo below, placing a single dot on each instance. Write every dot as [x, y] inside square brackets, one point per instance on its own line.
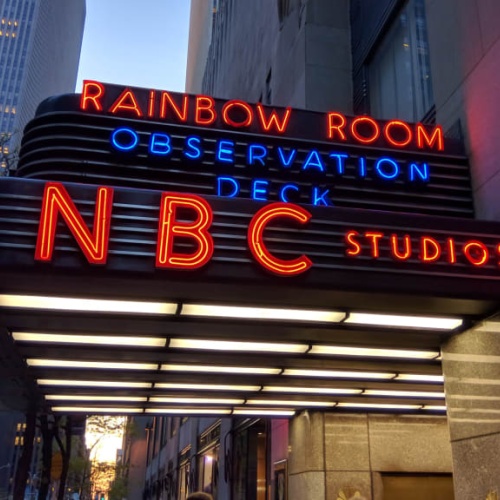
[471, 366]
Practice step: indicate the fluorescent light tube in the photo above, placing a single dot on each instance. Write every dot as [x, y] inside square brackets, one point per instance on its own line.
[110, 340]
[95, 383]
[262, 313]
[208, 387]
[266, 413]
[188, 411]
[206, 401]
[298, 404]
[434, 323]
[68, 397]
[222, 345]
[434, 407]
[338, 374]
[412, 377]
[221, 369]
[379, 406]
[87, 409]
[403, 394]
[102, 365]
[310, 390]
[89, 305]
[369, 352]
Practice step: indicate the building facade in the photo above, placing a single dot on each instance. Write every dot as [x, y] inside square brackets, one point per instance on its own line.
[272, 251]
[420, 61]
[40, 51]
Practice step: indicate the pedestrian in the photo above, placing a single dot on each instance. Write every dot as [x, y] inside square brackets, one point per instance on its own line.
[200, 495]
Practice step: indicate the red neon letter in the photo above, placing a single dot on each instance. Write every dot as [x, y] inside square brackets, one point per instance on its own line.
[476, 252]
[332, 126]
[356, 247]
[57, 200]
[169, 228]
[182, 114]
[375, 237]
[246, 109]
[361, 138]
[430, 250]
[91, 93]
[258, 248]
[273, 120]
[394, 142]
[127, 102]
[407, 247]
[151, 103]
[207, 104]
[452, 256]
[436, 137]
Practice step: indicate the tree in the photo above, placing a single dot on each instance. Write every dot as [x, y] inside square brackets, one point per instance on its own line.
[8, 157]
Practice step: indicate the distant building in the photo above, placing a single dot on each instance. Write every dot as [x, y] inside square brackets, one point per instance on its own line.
[200, 32]
[40, 44]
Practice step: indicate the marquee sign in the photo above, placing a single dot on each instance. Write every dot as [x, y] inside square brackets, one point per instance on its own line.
[234, 149]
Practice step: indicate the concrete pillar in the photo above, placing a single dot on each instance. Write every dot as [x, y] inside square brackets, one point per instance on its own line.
[471, 366]
[348, 456]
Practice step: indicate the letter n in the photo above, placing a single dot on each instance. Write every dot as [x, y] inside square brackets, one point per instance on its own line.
[56, 200]
[170, 229]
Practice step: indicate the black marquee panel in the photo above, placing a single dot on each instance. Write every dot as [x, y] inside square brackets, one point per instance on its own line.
[63, 143]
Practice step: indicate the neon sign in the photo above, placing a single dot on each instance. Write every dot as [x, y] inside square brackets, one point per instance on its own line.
[185, 241]
[160, 105]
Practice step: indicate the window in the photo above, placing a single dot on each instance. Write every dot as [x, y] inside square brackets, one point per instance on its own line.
[399, 72]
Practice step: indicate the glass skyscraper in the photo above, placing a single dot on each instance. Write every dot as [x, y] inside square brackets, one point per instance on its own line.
[40, 42]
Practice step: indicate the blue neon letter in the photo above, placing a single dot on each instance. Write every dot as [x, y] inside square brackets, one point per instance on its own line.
[124, 139]
[320, 198]
[340, 157]
[225, 151]
[192, 149]
[286, 188]
[422, 172]
[259, 189]
[160, 144]
[385, 175]
[256, 152]
[231, 183]
[286, 162]
[362, 166]
[314, 160]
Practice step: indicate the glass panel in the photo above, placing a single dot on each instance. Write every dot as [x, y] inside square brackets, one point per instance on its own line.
[399, 72]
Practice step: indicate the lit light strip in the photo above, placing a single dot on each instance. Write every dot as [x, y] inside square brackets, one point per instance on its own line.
[88, 305]
[89, 409]
[262, 313]
[338, 374]
[298, 404]
[219, 345]
[208, 387]
[206, 401]
[420, 378]
[310, 390]
[102, 365]
[188, 411]
[221, 369]
[403, 394]
[269, 413]
[379, 406]
[433, 323]
[434, 408]
[88, 339]
[68, 397]
[368, 352]
[95, 383]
